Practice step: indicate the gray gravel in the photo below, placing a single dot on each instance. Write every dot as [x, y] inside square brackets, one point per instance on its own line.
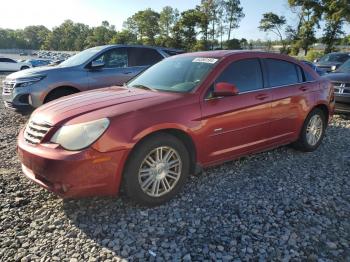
[278, 205]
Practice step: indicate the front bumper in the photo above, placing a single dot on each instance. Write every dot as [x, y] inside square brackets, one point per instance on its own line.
[342, 103]
[16, 98]
[71, 174]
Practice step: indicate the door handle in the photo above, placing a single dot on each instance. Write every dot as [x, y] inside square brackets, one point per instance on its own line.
[127, 73]
[262, 96]
[303, 88]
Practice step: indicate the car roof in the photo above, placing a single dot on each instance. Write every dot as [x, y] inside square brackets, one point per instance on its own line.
[227, 53]
[142, 46]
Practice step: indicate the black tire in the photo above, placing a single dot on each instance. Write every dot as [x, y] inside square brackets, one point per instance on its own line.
[60, 92]
[131, 183]
[302, 144]
[24, 67]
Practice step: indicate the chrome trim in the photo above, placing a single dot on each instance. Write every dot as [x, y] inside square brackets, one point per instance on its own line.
[262, 89]
[35, 132]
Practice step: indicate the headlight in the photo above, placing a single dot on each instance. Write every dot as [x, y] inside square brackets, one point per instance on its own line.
[28, 81]
[80, 136]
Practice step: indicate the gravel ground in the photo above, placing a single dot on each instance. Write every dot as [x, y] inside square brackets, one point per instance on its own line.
[278, 205]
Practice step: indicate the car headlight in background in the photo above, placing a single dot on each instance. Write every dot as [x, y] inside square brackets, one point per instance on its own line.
[24, 82]
[80, 136]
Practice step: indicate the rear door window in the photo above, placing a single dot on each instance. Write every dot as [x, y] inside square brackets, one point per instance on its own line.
[245, 74]
[143, 56]
[114, 58]
[281, 73]
[7, 60]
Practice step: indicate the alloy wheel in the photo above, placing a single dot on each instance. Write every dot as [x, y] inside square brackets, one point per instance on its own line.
[314, 130]
[160, 171]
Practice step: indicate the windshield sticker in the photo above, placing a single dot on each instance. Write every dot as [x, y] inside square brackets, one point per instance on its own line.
[205, 60]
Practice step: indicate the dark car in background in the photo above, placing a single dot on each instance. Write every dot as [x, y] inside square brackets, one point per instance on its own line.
[314, 67]
[341, 81]
[97, 67]
[332, 61]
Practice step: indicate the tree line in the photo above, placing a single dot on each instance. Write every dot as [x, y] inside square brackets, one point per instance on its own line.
[210, 25]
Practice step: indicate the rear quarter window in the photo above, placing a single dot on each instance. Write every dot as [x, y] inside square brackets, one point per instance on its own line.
[143, 56]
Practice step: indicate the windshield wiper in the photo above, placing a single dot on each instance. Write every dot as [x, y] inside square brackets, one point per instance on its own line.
[144, 87]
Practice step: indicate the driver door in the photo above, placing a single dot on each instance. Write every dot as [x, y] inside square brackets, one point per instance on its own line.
[115, 71]
[237, 125]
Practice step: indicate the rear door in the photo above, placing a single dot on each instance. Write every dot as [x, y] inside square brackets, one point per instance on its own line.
[291, 98]
[238, 124]
[115, 71]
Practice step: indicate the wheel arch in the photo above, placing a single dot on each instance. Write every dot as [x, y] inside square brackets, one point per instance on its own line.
[64, 87]
[324, 109]
[180, 134]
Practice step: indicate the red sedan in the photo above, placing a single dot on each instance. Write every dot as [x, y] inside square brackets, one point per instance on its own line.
[183, 114]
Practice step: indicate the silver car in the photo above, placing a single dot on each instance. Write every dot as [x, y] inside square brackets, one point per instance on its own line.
[96, 67]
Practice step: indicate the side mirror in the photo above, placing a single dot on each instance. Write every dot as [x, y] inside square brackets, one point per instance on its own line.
[316, 60]
[225, 89]
[97, 65]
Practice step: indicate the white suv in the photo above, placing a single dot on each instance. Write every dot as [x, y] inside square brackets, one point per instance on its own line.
[7, 64]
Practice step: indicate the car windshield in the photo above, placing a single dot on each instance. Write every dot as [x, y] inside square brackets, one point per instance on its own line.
[176, 74]
[335, 58]
[81, 57]
[345, 67]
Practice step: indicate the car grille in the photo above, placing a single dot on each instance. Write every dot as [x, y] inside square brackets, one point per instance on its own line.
[8, 87]
[341, 88]
[35, 132]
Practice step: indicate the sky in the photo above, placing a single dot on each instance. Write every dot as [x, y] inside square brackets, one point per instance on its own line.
[17, 14]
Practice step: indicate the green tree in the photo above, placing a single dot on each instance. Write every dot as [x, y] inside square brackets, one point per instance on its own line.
[233, 15]
[210, 18]
[167, 20]
[274, 23]
[35, 36]
[309, 13]
[145, 24]
[234, 44]
[101, 35]
[336, 13]
[124, 37]
[187, 25]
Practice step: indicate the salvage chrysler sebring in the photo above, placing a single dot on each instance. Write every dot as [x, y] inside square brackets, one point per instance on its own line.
[183, 114]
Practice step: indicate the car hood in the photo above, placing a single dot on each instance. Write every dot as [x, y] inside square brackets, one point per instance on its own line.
[328, 64]
[32, 72]
[112, 101]
[338, 77]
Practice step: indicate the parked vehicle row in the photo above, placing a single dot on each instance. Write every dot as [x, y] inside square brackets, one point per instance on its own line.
[185, 113]
[93, 68]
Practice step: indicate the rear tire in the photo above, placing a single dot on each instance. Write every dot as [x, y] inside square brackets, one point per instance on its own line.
[313, 131]
[156, 170]
[24, 67]
[57, 93]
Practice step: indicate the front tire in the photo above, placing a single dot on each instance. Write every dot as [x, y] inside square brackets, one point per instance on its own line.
[24, 67]
[313, 131]
[157, 170]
